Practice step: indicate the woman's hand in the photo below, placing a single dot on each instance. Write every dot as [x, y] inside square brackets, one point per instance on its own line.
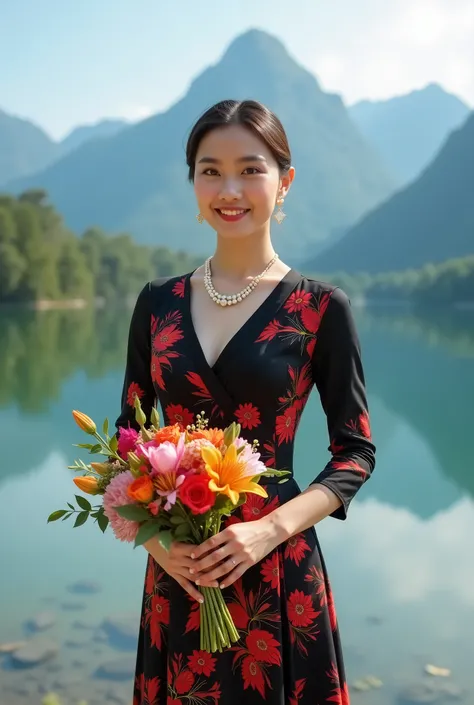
[176, 562]
[231, 552]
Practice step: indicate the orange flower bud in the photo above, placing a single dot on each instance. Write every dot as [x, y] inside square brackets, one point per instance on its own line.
[87, 484]
[100, 468]
[84, 422]
[142, 489]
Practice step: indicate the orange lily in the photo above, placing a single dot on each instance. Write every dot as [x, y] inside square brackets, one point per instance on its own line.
[84, 422]
[87, 484]
[228, 474]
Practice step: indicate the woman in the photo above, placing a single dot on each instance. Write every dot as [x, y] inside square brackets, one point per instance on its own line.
[252, 358]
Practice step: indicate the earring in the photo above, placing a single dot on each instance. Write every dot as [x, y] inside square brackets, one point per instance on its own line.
[200, 218]
[279, 215]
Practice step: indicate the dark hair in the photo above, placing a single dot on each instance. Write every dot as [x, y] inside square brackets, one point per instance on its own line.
[250, 114]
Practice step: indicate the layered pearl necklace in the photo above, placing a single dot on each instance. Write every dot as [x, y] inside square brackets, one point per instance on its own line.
[232, 299]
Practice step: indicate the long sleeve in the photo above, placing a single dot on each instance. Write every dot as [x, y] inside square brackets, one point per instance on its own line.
[138, 379]
[339, 378]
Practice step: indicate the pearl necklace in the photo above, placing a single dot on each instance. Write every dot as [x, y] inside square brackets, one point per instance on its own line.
[232, 299]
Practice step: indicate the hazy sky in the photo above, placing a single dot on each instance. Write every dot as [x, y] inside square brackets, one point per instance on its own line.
[66, 63]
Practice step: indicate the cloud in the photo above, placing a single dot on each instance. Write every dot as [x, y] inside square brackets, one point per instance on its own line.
[385, 48]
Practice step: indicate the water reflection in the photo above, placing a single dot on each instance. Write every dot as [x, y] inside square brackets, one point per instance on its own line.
[400, 560]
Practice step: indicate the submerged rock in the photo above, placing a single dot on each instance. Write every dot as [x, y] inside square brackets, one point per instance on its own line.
[84, 587]
[42, 621]
[437, 671]
[122, 630]
[122, 668]
[11, 646]
[35, 652]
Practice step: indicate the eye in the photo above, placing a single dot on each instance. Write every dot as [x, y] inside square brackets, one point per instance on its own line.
[251, 170]
[207, 172]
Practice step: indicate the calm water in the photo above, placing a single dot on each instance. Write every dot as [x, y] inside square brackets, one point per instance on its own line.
[402, 565]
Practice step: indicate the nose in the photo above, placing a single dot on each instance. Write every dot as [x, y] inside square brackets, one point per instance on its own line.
[230, 190]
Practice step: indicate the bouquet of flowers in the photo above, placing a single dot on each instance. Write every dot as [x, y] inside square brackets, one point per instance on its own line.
[173, 483]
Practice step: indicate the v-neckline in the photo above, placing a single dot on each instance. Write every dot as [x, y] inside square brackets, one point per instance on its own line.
[290, 277]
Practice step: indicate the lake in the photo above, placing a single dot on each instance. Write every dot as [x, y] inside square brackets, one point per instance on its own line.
[402, 565]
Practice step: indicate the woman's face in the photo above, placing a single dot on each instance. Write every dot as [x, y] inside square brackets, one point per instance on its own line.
[237, 181]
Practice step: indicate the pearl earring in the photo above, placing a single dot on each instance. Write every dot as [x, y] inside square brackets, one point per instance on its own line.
[279, 215]
[200, 218]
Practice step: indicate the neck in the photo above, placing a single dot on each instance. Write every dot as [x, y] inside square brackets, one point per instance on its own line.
[242, 257]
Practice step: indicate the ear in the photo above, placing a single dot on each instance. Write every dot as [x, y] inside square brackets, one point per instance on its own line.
[285, 182]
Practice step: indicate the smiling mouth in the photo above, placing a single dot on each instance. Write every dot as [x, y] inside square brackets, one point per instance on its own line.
[232, 214]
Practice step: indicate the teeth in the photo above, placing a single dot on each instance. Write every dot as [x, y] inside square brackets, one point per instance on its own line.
[229, 212]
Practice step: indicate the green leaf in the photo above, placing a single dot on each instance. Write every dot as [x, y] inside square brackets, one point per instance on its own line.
[105, 427]
[54, 516]
[96, 449]
[166, 539]
[71, 507]
[103, 522]
[83, 503]
[133, 512]
[146, 532]
[182, 531]
[113, 444]
[222, 503]
[176, 520]
[69, 514]
[81, 519]
[84, 445]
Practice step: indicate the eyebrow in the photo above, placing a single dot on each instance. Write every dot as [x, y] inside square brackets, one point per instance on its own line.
[248, 158]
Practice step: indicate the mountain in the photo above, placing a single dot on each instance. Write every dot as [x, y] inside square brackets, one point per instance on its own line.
[24, 148]
[82, 134]
[408, 131]
[430, 220]
[136, 180]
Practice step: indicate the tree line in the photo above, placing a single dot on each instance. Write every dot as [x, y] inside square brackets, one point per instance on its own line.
[40, 258]
[442, 284]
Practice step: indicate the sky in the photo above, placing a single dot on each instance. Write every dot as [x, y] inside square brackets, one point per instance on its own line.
[70, 63]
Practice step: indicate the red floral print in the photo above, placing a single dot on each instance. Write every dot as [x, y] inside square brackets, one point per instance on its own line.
[270, 453]
[341, 691]
[361, 425]
[298, 691]
[270, 571]
[157, 617]
[298, 300]
[179, 288]
[296, 548]
[322, 589]
[335, 449]
[348, 465]
[134, 391]
[263, 647]
[167, 337]
[248, 416]
[286, 425]
[257, 507]
[194, 618]
[202, 663]
[184, 682]
[202, 392]
[148, 689]
[253, 675]
[300, 609]
[176, 413]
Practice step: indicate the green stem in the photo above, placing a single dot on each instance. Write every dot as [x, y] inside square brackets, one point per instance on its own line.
[215, 593]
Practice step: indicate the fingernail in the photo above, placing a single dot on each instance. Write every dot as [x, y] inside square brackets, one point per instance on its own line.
[198, 582]
[193, 556]
[222, 586]
[201, 600]
[192, 571]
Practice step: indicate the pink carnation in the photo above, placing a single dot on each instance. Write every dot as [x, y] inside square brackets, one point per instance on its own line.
[116, 496]
[192, 459]
[127, 440]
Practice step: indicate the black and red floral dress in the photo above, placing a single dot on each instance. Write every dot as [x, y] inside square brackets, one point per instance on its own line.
[302, 334]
